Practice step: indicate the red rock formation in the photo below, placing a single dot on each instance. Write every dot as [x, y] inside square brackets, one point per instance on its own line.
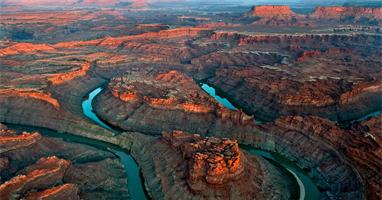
[214, 160]
[62, 77]
[277, 15]
[353, 14]
[9, 141]
[21, 175]
[37, 95]
[45, 173]
[308, 39]
[25, 48]
[313, 54]
[162, 97]
[206, 168]
[361, 145]
[138, 4]
[179, 32]
[131, 88]
[67, 191]
[280, 12]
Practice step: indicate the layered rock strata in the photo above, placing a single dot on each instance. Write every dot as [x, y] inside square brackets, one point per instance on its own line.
[277, 15]
[331, 169]
[358, 145]
[308, 85]
[67, 191]
[167, 100]
[39, 167]
[208, 168]
[353, 14]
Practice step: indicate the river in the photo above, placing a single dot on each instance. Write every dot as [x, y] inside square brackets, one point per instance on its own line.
[308, 190]
[135, 181]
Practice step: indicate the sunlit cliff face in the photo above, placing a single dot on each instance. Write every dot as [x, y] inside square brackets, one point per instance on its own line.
[304, 75]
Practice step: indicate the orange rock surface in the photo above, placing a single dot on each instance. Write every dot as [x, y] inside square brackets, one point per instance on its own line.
[277, 15]
[68, 76]
[275, 12]
[37, 95]
[338, 12]
[206, 168]
[138, 4]
[46, 172]
[67, 191]
[30, 168]
[360, 144]
[25, 48]
[135, 86]
[10, 141]
[213, 160]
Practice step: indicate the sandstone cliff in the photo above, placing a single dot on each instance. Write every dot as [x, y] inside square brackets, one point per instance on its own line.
[162, 97]
[39, 167]
[278, 15]
[346, 14]
[138, 4]
[181, 170]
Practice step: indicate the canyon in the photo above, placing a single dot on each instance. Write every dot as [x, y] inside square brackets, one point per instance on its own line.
[33, 166]
[210, 167]
[305, 78]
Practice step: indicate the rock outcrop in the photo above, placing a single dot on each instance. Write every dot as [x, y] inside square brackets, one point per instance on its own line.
[44, 173]
[138, 4]
[208, 168]
[306, 39]
[249, 79]
[352, 14]
[39, 167]
[361, 147]
[161, 96]
[67, 191]
[278, 15]
[279, 12]
[312, 54]
[68, 54]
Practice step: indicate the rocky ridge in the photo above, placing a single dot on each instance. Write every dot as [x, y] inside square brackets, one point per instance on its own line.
[176, 95]
[34, 166]
[138, 4]
[353, 14]
[193, 52]
[171, 178]
[278, 15]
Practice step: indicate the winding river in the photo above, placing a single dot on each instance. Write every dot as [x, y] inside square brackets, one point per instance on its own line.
[308, 189]
[135, 183]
